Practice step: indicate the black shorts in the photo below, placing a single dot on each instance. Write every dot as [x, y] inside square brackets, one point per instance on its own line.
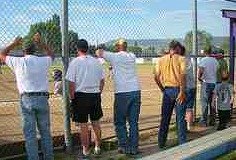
[84, 105]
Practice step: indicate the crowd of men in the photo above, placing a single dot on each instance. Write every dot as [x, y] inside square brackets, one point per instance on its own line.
[174, 75]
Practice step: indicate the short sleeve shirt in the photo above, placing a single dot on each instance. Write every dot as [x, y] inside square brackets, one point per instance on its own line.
[224, 93]
[31, 72]
[86, 72]
[171, 68]
[209, 64]
[124, 71]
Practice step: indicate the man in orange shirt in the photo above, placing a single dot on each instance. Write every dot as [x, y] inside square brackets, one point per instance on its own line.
[170, 78]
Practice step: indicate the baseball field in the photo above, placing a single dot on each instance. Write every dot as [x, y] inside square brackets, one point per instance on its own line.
[10, 121]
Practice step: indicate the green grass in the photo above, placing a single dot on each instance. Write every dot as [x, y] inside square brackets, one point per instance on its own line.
[62, 156]
[229, 156]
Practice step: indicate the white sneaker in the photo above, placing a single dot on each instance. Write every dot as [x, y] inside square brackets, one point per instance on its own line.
[97, 150]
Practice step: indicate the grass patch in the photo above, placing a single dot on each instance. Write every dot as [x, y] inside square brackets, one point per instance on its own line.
[63, 156]
[229, 156]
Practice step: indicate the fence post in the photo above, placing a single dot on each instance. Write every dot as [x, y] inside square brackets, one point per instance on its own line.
[65, 60]
[232, 49]
[195, 50]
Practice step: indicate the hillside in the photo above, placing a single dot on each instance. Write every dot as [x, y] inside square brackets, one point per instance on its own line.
[160, 43]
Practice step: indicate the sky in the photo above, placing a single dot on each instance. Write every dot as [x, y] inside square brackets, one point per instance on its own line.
[103, 20]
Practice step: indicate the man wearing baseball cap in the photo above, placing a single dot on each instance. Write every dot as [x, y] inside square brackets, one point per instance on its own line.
[127, 96]
[32, 81]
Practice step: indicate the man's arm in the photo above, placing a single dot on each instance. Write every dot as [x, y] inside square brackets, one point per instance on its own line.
[200, 73]
[108, 56]
[157, 76]
[181, 96]
[11, 46]
[158, 81]
[72, 90]
[102, 83]
[42, 46]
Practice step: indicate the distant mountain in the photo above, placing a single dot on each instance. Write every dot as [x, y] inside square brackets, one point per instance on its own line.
[217, 41]
[161, 43]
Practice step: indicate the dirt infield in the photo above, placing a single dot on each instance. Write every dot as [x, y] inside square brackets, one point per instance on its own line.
[10, 121]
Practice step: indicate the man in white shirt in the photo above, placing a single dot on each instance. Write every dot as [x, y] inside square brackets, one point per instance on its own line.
[207, 69]
[86, 80]
[127, 96]
[32, 81]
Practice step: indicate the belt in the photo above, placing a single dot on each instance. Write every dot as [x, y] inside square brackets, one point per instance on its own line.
[31, 94]
[169, 87]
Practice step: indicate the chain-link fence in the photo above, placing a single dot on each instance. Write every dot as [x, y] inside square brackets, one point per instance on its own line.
[100, 22]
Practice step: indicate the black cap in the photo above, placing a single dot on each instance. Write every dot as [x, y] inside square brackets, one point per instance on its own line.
[82, 45]
[29, 48]
[218, 51]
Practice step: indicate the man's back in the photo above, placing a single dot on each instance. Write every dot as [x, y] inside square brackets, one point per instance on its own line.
[125, 75]
[31, 72]
[86, 72]
[209, 64]
[171, 67]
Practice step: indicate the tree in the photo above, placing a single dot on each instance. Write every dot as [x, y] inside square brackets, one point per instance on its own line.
[51, 35]
[135, 49]
[225, 46]
[204, 40]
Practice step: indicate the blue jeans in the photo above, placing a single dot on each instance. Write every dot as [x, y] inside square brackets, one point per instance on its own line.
[168, 103]
[206, 100]
[35, 113]
[127, 107]
[190, 98]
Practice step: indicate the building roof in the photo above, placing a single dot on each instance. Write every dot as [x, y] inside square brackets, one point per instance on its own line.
[227, 13]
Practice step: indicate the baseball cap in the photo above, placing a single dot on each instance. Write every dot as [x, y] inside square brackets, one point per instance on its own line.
[121, 41]
[218, 51]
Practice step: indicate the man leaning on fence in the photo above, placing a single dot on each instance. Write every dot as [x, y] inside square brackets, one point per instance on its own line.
[86, 80]
[170, 77]
[127, 96]
[32, 81]
[207, 75]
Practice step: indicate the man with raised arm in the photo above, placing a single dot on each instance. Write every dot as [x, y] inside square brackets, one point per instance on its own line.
[32, 81]
[127, 96]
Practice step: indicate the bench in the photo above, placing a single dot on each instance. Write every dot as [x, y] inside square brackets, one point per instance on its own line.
[207, 147]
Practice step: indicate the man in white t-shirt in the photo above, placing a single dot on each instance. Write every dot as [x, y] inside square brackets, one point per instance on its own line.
[32, 82]
[127, 96]
[207, 69]
[86, 80]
